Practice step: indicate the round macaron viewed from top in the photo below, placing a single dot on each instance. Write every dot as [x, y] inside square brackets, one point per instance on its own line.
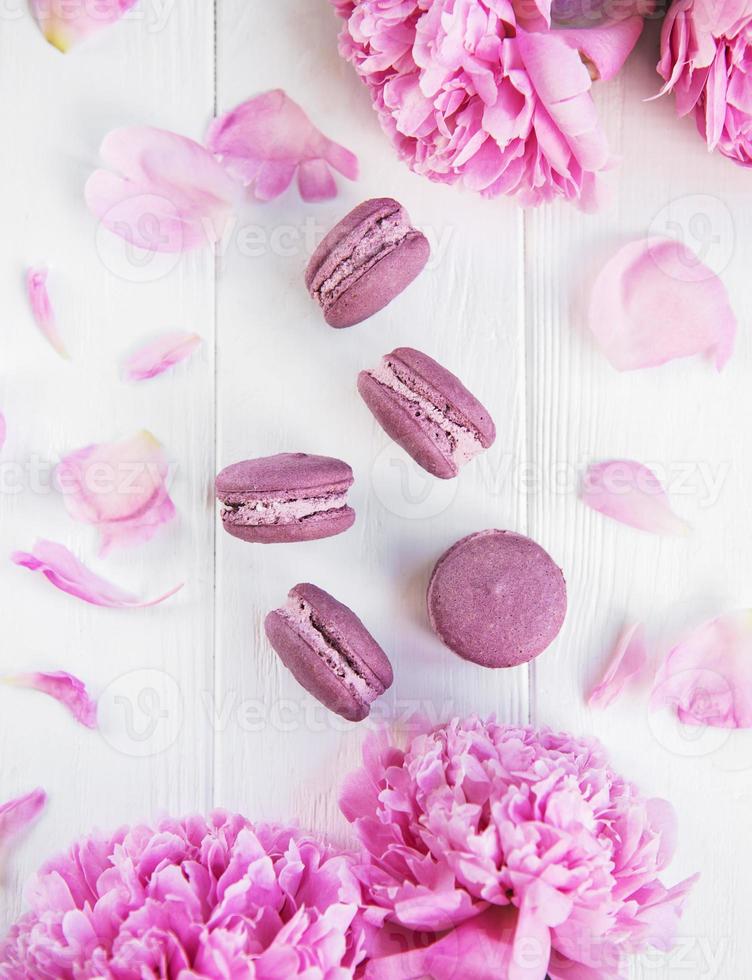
[365, 261]
[284, 498]
[329, 651]
[427, 410]
[497, 598]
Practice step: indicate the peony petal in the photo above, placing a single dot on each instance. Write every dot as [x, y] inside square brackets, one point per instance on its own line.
[655, 301]
[628, 661]
[264, 141]
[163, 192]
[606, 47]
[65, 24]
[63, 687]
[120, 488]
[707, 676]
[16, 815]
[41, 307]
[60, 567]
[160, 355]
[630, 493]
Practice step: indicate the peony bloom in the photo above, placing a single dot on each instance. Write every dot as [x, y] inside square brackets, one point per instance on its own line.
[492, 94]
[196, 898]
[706, 60]
[510, 847]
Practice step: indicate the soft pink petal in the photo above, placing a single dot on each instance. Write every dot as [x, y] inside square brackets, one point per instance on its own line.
[3, 430]
[264, 141]
[707, 677]
[63, 687]
[160, 355]
[60, 567]
[41, 307]
[16, 815]
[631, 493]
[163, 192]
[65, 24]
[655, 301]
[120, 488]
[607, 46]
[628, 660]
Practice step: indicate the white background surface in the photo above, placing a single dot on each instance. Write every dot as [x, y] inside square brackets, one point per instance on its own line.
[501, 305]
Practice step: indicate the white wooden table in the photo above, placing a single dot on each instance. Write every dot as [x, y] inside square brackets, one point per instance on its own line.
[501, 304]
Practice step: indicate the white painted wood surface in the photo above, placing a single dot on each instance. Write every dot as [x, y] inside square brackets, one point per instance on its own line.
[501, 304]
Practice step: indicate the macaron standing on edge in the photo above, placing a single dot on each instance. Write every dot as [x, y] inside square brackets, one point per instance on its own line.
[497, 598]
[287, 497]
[365, 261]
[427, 410]
[329, 651]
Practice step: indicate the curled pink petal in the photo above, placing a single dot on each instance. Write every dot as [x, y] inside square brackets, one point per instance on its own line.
[63, 687]
[628, 661]
[65, 24]
[655, 300]
[707, 676]
[60, 567]
[162, 193]
[263, 143]
[17, 814]
[118, 487]
[631, 493]
[160, 355]
[41, 307]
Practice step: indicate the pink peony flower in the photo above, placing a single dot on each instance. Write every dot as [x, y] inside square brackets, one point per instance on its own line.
[509, 846]
[486, 93]
[706, 60]
[197, 898]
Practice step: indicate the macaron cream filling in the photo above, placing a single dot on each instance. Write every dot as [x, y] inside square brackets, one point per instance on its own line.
[254, 513]
[456, 441]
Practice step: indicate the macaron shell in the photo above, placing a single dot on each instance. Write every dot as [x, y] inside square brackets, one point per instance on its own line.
[283, 472]
[324, 525]
[497, 598]
[396, 417]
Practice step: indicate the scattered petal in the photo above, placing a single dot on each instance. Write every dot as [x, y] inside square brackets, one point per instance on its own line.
[60, 567]
[3, 430]
[162, 193]
[65, 24]
[628, 661]
[65, 688]
[120, 488]
[707, 676]
[160, 355]
[41, 307]
[16, 815]
[263, 143]
[654, 301]
[630, 493]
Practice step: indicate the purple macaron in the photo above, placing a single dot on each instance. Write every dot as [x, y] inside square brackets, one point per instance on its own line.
[427, 411]
[329, 651]
[497, 598]
[288, 497]
[365, 261]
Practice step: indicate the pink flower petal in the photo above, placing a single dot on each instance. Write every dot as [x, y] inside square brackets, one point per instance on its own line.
[44, 315]
[630, 493]
[264, 141]
[16, 815]
[166, 194]
[707, 677]
[605, 47]
[60, 567]
[628, 661]
[160, 355]
[65, 688]
[120, 488]
[65, 24]
[3, 430]
[655, 301]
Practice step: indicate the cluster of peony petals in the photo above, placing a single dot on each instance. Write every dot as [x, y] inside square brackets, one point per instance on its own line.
[516, 850]
[211, 899]
[706, 60]
[494, 94]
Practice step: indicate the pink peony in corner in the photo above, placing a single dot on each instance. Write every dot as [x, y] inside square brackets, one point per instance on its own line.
[706, 61]
[211, 898]
[508, 846]
[492, 94]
